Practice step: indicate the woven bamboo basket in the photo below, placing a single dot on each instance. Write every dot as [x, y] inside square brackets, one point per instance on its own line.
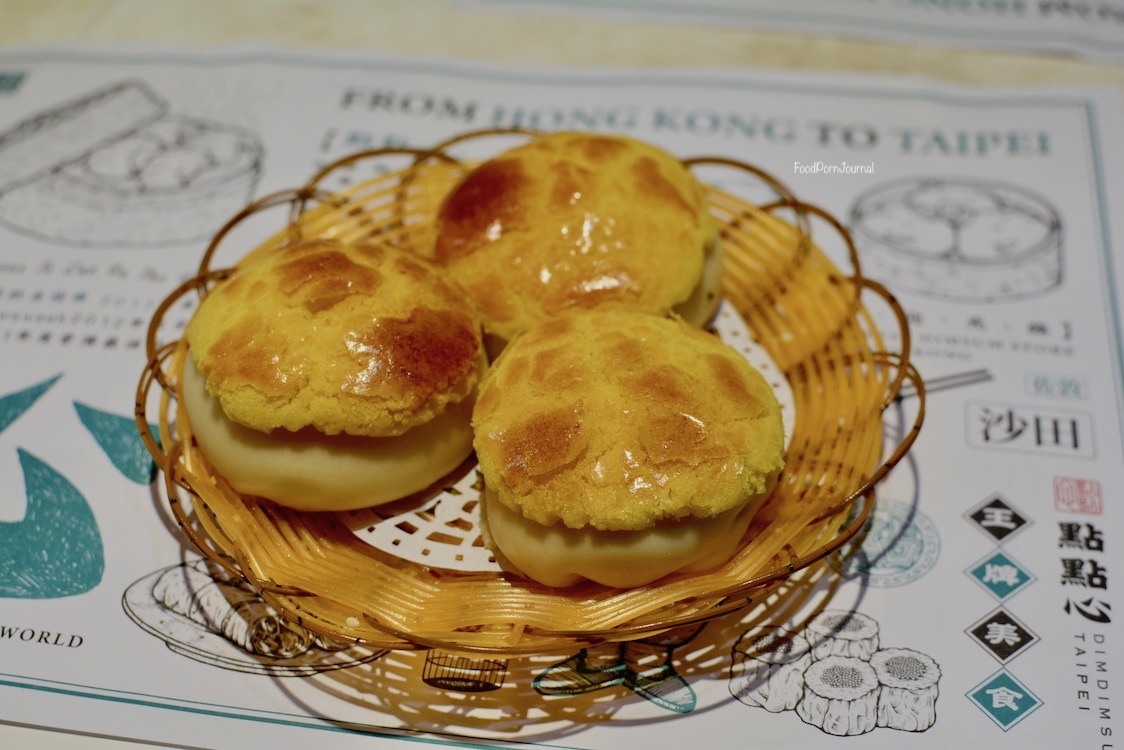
[813, 320]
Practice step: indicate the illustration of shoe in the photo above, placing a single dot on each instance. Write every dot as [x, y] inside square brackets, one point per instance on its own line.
[581, 673]
[664, 687]
[651, 674]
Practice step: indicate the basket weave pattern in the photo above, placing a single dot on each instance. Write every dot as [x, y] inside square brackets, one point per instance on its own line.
[810, 317]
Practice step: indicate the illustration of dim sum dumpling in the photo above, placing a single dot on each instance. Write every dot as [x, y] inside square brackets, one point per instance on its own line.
[330, 376]
[898, 225]
[1003, 234]
[962, 239]
[574, 220]
[621, 447]
[954, 203]
[117, 169]
[209, 597]
[169, 155]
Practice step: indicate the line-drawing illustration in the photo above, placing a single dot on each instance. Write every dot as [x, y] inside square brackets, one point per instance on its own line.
[835, 673]
[119, 168]
[836, 676]
[646, 667]
[202, 612]
[959, 238]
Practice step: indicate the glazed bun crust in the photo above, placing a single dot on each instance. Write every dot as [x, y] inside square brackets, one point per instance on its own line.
[340, 338]
[622, 447]
[620, 421]
[329, 376]
[572, 220]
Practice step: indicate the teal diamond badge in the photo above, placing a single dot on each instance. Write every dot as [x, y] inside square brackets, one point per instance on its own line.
[1000, 574]
[1005, 700]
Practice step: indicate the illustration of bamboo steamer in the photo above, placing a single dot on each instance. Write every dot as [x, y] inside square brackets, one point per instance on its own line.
[960, 239]
[768, 668]
[465, 674]
[842, 633]
[116, 168]
[908, 698]
[840, 696]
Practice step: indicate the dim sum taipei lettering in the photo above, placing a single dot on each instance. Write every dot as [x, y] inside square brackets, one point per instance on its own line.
[977, 143]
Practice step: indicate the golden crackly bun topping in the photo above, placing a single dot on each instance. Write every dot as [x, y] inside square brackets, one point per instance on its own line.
[340, 338]
[572, 220]
[618, 420]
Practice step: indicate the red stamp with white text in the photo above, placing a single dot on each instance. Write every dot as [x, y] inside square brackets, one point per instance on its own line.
[1072, 495]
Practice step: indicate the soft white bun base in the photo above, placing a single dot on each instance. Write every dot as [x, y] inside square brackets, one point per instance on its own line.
[559, 556]
[308, 470]
[699, 308]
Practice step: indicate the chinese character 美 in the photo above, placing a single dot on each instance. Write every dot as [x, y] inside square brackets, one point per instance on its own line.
[1002, 632]
[1005, 574]
[1091, 609]
[1004, 697]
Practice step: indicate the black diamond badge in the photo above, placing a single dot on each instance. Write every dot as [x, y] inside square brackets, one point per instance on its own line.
[998, 518]
[1002, 635]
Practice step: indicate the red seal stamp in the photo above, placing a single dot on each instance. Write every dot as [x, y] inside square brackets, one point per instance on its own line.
[1072, 495]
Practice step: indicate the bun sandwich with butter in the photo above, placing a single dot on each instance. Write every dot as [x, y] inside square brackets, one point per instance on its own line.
[333, 376]
[621, 447]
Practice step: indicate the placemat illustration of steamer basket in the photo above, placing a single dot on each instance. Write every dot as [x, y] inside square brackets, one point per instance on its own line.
[960, 239]
[118, 168]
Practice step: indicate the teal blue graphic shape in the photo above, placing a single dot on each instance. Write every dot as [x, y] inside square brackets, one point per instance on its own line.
[56, 550]
[1001, 575]
[1005, 700]
[15, 404]
[118, 437]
